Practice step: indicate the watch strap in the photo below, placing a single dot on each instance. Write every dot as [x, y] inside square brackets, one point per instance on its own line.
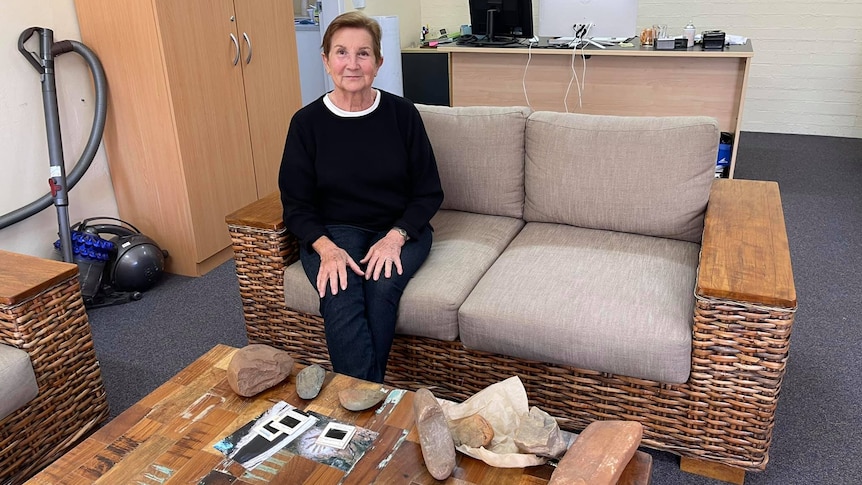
[402, 232]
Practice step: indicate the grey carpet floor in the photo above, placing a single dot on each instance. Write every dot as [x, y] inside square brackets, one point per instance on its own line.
[818, 432]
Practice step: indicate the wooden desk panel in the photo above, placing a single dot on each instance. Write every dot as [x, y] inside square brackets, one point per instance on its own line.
[635, 82]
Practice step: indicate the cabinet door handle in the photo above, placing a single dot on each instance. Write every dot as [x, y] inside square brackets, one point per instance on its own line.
[248, 43]
[236, 48]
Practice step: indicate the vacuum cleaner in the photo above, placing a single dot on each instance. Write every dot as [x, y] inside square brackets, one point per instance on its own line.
[116, 262]
[112, 270]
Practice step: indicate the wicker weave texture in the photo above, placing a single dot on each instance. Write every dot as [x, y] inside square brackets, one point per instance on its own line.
[53, 329]
[724, 413]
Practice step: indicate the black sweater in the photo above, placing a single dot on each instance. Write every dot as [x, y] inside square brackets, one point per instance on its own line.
[373, 171]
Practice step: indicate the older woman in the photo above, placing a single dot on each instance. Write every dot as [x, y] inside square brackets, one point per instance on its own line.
[359, 185]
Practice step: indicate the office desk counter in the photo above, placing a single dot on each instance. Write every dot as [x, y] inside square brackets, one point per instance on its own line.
[635, 81]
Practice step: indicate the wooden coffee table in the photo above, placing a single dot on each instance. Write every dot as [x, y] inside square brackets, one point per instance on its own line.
[168, 438]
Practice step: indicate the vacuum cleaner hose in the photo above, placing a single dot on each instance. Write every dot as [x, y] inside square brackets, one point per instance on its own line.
[101, 86]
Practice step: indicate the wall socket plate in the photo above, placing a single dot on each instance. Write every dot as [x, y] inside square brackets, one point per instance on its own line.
[582, 31]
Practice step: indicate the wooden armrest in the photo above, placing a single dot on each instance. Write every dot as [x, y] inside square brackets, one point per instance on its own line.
[265, 213]
[745, 256]
[26, 276]
[262, 249]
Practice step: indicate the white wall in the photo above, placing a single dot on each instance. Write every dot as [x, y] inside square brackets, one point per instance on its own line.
[447, 14]
[806, 75]
[406, 10]
[24, 153]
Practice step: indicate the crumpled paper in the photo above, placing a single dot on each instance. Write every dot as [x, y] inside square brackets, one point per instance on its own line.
[502, 405]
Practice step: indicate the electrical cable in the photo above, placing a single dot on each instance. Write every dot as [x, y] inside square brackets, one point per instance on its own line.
[584, 71]
[581, 31]
[583, 77]
[576, 29]
[524, 78]
[572, 79]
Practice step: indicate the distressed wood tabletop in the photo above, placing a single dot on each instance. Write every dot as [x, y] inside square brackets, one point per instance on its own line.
[168, 438]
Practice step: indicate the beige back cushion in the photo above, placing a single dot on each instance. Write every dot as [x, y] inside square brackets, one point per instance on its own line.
[480, 157]
[640, 175]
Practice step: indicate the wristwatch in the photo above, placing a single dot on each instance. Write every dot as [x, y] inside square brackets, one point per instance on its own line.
[402, 232]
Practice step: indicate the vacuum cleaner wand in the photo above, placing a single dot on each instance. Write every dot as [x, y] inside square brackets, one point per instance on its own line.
[44, 65]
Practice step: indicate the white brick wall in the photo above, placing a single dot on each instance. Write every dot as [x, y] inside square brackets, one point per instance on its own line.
[447, 14]
[806, 75]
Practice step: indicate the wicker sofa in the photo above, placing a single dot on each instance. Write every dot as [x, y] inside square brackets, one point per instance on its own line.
[42, 316]
[597, 258]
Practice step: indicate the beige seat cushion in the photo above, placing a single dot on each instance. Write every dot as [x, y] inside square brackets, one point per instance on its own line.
[465, 246]
[17, 380]
[592, 299]
[633, 174]
[480, 157]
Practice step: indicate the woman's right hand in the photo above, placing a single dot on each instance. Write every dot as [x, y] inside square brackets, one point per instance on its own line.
[333, 266]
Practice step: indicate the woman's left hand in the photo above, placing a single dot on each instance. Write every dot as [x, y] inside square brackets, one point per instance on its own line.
[383, 255]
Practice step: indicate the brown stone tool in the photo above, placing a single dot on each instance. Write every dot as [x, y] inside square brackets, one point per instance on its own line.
[438, 449]
[599, 454]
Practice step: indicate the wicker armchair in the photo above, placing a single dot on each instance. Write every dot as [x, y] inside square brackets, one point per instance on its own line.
[724, 414]
[42, 313]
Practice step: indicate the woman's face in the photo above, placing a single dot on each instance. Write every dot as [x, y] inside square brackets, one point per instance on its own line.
[350, 61]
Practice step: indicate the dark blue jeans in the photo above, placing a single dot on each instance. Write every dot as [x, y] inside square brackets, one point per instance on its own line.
[360, 321]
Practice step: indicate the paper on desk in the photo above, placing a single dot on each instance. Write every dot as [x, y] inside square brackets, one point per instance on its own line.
[502, 405]
[728, 39]
[735, 40]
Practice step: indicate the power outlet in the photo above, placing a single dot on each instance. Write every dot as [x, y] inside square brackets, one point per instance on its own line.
[582, 31]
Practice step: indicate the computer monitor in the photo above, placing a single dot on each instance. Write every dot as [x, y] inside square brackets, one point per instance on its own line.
[610, 18]
[500, 22]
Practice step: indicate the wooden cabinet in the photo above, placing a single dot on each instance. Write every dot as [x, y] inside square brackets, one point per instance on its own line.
[201, 93]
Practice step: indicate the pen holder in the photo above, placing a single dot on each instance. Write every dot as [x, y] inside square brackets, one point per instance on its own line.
[647, 36]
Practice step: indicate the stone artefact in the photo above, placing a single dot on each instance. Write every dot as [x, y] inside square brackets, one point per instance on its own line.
[539, 434]
[600, 454]
[360, 399]
[473, 431]
[309, 381]
[257, 367]
[438, 449]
